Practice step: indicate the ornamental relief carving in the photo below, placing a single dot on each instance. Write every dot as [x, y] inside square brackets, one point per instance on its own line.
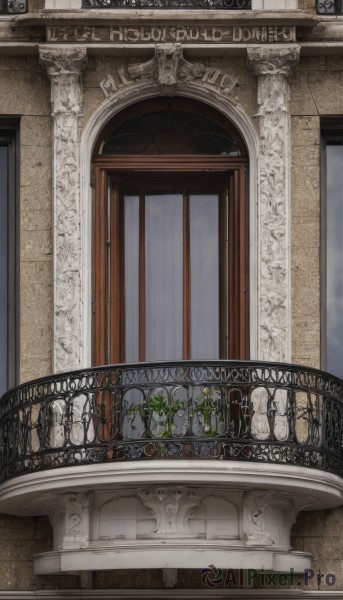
[167, 68]
[64, 68]
[172, 509]
[76, 519]
[273, 66]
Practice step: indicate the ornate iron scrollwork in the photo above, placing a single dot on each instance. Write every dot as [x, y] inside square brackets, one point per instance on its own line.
[329, 7]
[249, 411]
[190, 4]
[13, 6]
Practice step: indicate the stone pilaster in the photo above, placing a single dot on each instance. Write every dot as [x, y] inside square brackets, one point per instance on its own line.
[273, 67]
[64, 66]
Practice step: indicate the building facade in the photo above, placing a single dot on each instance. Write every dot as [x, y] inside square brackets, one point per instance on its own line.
[171, 243]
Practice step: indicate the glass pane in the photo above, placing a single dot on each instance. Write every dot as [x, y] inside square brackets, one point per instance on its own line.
[171, 132]
[204, 245]
[131, 216]
[164, 275]
[3, 266]
[334, 267]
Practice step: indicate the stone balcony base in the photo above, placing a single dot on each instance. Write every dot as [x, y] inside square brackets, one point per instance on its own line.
[172, 555]
[170, 514]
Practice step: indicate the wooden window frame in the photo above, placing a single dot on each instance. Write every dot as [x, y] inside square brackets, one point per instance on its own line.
[108, 305]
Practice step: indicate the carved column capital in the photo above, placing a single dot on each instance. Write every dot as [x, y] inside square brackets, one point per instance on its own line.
[64, 67]
[273, 61]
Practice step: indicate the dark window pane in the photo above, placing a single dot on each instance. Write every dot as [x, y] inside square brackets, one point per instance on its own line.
[3, 266]
[334, 267]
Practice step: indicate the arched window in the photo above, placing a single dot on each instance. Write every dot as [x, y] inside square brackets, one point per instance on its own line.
[170, 235]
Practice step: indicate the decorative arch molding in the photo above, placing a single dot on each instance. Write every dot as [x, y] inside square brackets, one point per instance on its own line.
[124, 97]
[169, 73]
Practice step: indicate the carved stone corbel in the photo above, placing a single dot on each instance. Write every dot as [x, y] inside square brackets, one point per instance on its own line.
[167, 67]
[255, 504]
[64, 67]
[273, 67]
[172, 509]
[76, 520]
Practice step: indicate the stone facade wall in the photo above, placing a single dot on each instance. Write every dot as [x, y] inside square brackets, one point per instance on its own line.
[309, 5]
[25, 91]
[316, 90]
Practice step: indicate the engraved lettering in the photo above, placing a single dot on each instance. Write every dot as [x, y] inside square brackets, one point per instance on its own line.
[94, 37]
[264, 36]
[217, 34]
[207, 36]
[145, 34]
[194, 33]
[211, 76]
[108, 86]
[57, 34]
[116, 34]
[82, 34]
[227, 84]
[131, 34]
[155, 34]
[180, 34]
[237, 34]
[123, 78]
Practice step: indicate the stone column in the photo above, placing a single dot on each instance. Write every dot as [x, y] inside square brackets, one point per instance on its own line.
[273, 67]
[64, 66]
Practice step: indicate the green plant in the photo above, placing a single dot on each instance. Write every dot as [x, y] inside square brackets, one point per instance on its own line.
[208, 407]
[158, 415]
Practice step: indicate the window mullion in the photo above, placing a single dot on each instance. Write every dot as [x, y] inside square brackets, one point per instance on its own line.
[186, 329]
[142, 280]
[223, 274]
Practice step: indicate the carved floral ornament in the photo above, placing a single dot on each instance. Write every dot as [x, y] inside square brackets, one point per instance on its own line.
[167, 68]
[273, 67]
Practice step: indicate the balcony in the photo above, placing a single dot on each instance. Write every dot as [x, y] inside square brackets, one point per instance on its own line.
[154, 464]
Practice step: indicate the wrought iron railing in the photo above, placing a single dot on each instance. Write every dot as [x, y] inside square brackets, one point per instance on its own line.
[329, 7]
[246, 411]
[13, 6]
[160, 4]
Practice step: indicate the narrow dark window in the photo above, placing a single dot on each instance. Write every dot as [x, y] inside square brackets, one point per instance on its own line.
[8, 307]
[332, 250]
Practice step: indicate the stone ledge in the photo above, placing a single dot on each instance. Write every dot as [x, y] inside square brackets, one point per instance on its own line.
[108, 16]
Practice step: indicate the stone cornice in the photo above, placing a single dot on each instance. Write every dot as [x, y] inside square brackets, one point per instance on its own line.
[108, 17]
